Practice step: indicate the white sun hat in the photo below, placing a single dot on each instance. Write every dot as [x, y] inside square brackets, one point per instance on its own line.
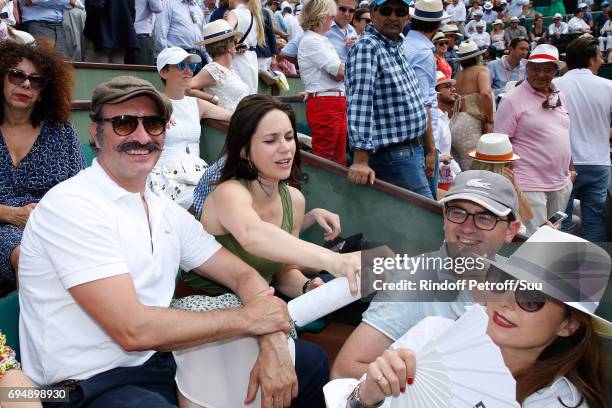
[428, 10]
[494, 148]
[545, 53]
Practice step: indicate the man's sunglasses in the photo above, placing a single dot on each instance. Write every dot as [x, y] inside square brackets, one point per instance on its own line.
[386, 11]
[442, 43]
[193, 66]
[547, 105]
[17, 77]
[529, 300]
[367, 20]
[346, 9]
[126, 124]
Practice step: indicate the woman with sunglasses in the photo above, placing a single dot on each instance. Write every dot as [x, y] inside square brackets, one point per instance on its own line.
[218, 78]
[39, 148]
[361, 19]
[549, 340]
[245, 17]
[322, 74]
[180, 167]
[441, 43]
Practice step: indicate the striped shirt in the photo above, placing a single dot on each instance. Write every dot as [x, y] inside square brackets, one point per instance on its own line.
[385, 105]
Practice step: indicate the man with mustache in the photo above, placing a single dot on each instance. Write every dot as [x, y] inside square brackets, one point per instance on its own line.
[99, 260]
[387, 119]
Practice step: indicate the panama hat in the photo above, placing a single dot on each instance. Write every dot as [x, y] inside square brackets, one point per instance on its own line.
[441, 79]
[428, 10]
[468, 49]
[216, 31]
[439, 36]
[488, 5]
[494, 148]
[451, 29]
[571, 270]
[545, 53]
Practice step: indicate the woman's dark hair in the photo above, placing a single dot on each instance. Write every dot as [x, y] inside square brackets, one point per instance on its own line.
[242, 126]
[580, 358]
[360, 12]
[219, 47]
[56, 96]
[580, 51]
[469, 62]
[424, 26]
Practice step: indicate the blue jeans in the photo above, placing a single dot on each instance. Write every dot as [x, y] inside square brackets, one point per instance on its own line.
[404, 167]
[590, 188]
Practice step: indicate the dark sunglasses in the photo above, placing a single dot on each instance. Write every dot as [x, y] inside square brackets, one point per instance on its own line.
[442, 43]
[485, 221]
[529, 300]
[345, 9]
[386, 11]
[193, 66]
[17, 77]
[367, 20]
[126, 124]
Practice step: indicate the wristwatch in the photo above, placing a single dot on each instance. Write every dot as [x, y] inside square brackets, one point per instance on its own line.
[215, 100]
[354, 400]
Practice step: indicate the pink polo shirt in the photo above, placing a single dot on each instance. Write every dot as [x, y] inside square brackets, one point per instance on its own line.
[540, 136]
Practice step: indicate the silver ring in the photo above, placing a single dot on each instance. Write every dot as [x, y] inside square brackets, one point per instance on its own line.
[380, 377]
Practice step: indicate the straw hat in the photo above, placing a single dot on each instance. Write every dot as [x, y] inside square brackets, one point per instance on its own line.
[441, 79]
[498, 21]
[428, 10]
[451, 29]
[494, 148]
[216, 31]
[571, 270]
[545, 53]
[468, 49]
[439, 36]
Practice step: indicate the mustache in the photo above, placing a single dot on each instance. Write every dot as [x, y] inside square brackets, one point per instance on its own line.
[134, 145]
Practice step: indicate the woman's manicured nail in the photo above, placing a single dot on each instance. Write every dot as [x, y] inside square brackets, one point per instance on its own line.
[410, 380]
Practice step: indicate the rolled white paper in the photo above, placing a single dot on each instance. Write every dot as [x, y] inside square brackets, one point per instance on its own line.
[321, 301]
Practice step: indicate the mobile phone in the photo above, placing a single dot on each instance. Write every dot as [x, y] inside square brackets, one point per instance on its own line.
[557, 217]
[4, 16]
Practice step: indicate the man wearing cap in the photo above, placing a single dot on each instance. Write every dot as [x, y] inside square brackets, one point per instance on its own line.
[535, 116]
[577, 23]
[98, 265]
[457, 12]
[180, 24]
[489, 15]
[558, 26]
[481, 209]
[447, 96]
[602, 17]
[509, 67]
[387, 119]
[470, 27]
[451, 32]
[514, 31]
[589, 112]
[481, 37]
[425, 23]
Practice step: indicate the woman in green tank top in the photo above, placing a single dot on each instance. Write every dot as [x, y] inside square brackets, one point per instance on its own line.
[255, 214]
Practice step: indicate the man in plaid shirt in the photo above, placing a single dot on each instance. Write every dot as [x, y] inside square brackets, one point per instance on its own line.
[387, 120]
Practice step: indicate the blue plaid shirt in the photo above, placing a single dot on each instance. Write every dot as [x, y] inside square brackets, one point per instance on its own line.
[385, 105]
[207, 184]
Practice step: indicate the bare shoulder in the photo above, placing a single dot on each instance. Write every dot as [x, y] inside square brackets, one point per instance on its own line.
[297, 198]
[231, 190]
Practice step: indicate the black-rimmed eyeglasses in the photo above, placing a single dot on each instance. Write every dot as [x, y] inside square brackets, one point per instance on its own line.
[485, 221]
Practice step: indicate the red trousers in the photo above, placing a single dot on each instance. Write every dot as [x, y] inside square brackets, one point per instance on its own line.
[326, 116]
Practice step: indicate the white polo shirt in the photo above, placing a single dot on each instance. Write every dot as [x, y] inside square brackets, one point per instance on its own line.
[318, 60]
[589, 114]
[84, 229]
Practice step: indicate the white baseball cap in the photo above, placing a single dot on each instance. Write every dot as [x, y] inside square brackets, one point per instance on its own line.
[174, 55]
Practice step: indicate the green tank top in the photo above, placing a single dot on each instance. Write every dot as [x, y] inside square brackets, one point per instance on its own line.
[266, 268]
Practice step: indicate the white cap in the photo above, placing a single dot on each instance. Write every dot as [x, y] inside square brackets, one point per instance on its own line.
[582, 5]
[174, 55]
[478, 12]
[557, 16]
[514, 18]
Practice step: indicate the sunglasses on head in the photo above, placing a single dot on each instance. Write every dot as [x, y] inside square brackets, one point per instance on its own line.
[193, 66]
[126, 124]
[18, 77]
[386, 11]
[345, 9]
[529, 300]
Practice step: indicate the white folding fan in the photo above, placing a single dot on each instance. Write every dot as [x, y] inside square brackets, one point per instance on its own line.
[462, 368]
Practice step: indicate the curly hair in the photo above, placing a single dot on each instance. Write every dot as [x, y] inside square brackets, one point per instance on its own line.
[56, 96]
